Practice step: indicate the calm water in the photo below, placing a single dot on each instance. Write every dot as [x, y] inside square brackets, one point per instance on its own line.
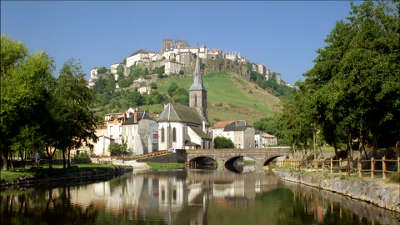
[187, 197]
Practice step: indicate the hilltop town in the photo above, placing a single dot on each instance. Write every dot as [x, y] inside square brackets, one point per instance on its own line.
[178, 57]
[177, 127]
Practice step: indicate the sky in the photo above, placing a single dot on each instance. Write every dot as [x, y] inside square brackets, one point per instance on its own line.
[284, 36]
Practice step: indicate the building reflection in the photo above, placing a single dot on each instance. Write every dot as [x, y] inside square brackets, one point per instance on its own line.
[185, 197]
[139, 196]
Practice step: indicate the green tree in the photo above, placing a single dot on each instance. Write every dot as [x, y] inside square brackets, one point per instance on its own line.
[172, 89]
[267, 125]
[102, 70]
[76, 119]
[25, 82]
[153, 85]
[353, 90]
[223, 142]
[120, 70]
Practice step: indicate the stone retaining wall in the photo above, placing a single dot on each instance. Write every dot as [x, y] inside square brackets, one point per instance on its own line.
[86, 176]
[385, 195]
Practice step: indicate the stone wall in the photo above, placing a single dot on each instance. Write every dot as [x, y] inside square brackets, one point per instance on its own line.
[379, 193]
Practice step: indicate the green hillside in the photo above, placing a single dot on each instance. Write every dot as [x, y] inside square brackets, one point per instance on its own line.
[230, 97]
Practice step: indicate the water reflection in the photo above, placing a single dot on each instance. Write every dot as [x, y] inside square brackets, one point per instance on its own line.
[187, 197]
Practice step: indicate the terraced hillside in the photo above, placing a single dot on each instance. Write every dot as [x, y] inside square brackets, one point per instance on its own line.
[230, 97]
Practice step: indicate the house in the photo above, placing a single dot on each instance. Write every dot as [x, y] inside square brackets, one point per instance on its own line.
[144, 90]
[239, 132]
[113, 122]
[139, 132]
[268, 140]
[183, 127]
[172, 68]
[93, 76]
[141, 55]
[257, 140]
[114, 67]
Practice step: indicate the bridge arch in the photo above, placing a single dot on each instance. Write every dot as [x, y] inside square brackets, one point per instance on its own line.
[202, 161]
[270, 159]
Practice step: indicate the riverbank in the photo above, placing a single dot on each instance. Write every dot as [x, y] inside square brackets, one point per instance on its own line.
[380, 193]
[165, 166]
[33, 177]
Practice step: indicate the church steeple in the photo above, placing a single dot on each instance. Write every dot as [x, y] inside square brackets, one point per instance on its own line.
[197, 77]
[197, 92]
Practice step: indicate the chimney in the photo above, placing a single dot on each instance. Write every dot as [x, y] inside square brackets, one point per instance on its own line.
[135, 115]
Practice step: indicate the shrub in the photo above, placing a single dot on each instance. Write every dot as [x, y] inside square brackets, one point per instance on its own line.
[222, 142]
[118, 149]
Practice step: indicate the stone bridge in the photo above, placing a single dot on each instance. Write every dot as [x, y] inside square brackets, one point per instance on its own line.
[224, 157]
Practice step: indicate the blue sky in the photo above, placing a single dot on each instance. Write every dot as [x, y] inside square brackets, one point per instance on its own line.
[282, 35]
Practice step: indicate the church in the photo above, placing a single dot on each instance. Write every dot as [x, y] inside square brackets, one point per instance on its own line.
[183, 127]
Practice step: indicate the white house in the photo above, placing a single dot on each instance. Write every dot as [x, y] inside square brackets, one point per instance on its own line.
[113, 123]
[239, 132]
[141, 55]
[114, 67]
[268, 140]
[140, 133]
[257, 140]
[93, 76]
[172, 68]
[144, 90]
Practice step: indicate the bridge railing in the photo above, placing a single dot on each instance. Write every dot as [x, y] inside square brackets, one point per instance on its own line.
[277, 149]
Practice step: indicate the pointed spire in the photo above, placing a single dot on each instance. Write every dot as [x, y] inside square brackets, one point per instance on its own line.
[198, 78]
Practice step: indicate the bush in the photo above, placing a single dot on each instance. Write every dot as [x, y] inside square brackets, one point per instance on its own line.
[102, 70]
[222, 142]
[118, 149]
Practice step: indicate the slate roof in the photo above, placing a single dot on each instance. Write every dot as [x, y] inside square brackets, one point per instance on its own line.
[141, 115]
[198, 78]
[175, 112]
[236, 126]
[200, 132]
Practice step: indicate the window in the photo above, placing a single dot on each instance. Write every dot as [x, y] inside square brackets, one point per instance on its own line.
[174, 195]
[174, 134]
[162, 135]
[195, 100]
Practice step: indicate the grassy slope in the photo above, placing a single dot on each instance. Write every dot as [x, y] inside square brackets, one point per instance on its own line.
[230, 97]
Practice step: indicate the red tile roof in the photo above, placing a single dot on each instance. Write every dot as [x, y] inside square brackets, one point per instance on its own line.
[222, 124]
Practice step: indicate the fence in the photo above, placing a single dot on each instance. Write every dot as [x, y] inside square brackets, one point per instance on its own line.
[108, 159]
[372, 167]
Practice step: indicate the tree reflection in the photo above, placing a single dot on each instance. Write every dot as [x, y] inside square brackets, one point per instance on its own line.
[42, 207]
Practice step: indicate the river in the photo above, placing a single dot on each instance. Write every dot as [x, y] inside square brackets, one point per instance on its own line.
[187, 197]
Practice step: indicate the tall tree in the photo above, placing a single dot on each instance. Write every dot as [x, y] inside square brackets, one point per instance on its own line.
[75, 118]
[24, 92]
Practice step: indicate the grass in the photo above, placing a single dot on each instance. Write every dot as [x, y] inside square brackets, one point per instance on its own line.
[57, 170]
[165, 166]
[230, 96]
[394, 178]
